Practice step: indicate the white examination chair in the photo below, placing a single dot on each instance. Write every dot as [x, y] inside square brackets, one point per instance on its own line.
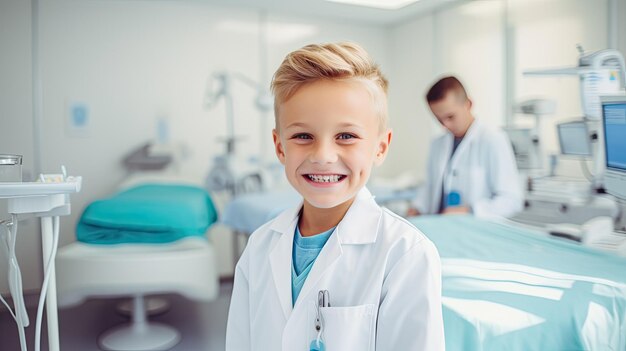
[186, 266]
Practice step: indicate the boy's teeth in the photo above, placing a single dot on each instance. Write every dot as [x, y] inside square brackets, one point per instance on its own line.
[324, 178]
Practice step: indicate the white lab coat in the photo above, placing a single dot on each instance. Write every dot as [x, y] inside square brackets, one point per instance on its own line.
[383, 276]
[482, 170]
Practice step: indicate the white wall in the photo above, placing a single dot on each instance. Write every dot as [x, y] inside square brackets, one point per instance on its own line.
[621, 25]
[470, 47]
[131, 62]
[412, 70]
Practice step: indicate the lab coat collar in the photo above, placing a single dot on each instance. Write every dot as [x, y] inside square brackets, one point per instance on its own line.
[363, 213]
[359, 226]
[473, 130]
[361, 222]
[471, 133]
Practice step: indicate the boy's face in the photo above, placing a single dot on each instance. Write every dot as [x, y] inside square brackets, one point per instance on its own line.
[454, 113]
[329, 138]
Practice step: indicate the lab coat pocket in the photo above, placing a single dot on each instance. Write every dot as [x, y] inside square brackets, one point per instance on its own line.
[348, 328]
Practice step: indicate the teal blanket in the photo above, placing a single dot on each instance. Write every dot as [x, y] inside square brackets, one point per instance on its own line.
[508, 288]
[150, 213]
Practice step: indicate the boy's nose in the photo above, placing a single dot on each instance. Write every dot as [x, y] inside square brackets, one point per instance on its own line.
[323, 153]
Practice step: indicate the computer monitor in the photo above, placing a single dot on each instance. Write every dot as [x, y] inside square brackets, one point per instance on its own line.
[574, 139]
[614, 123]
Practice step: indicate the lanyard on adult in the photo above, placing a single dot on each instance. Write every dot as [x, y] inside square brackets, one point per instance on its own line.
[452, 197]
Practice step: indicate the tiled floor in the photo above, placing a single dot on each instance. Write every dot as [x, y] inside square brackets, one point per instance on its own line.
[202, 325]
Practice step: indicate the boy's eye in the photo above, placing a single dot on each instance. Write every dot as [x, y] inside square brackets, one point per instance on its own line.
[346, 136]
[302, 136]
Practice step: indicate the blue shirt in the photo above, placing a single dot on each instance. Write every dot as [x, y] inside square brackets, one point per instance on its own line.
[442, 200]
[304, 253]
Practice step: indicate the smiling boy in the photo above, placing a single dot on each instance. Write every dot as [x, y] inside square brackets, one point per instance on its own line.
[336, 272]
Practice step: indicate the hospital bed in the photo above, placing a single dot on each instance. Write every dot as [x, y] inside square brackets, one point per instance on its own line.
[149, 238]
[511, 288]
[505, 287]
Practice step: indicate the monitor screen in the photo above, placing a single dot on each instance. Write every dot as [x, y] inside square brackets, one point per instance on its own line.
[615, 134]
[574, 138]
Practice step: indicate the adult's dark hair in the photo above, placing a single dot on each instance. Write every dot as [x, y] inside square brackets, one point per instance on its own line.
[444, 85]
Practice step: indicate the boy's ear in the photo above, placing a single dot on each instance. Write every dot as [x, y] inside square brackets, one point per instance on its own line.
[383, 147]
[278, 146]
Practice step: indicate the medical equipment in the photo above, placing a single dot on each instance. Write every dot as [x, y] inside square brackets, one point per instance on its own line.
[48, 199]
[566, 231]
[537, 108]
[614, 123]
[568, 207]
[554, 200]
[231, 171]
[527, 142]
[235, 175]
[323, 300]
[144, 159]
[574, 139]
[598, 232]
[523, 147]
[15, 278]
[10, 168]
[591, 233]
[601, 73]
[220, 86]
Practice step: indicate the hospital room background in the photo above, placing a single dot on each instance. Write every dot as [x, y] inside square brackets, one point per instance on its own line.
[87, 84]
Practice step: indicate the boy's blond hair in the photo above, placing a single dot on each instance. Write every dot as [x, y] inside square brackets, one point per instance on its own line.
[343, 61]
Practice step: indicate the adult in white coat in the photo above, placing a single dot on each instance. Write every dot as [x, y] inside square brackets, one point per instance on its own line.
[381, 274]
[472, 164]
